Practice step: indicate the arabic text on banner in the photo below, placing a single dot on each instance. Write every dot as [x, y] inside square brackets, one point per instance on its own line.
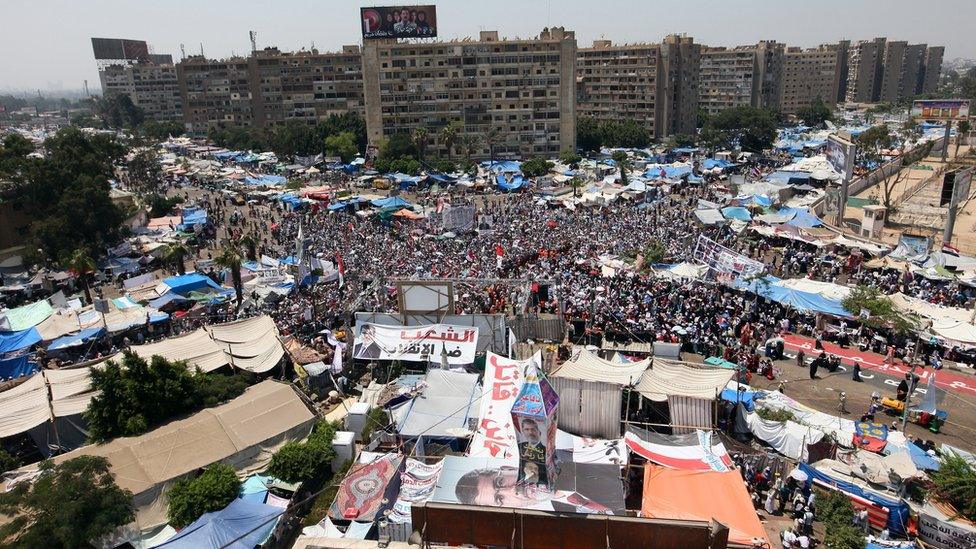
[427, 343]
[495, 436]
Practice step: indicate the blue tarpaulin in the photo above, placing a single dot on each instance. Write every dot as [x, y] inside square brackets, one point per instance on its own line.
[736, 212]
[500, 166]
[391, 202]
[347, 203]
[255, 488]
[166, 299]
[921, 459]
[442, 178]
[184, 284]
[406, 180]
[266, 180]
[898, 510]
[747, 398]
[653, 171]
[711, 163]
[509, 183]
[241, 525]
[804, 302]
[803, 218]
[75, 340]
[18, 366]
[788, 177]
[15, 341]
[194, 216]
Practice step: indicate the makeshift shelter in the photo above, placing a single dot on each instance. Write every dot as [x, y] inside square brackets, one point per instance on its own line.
[242, 433]
[802, 217]
[197, 348]
[251, 344]
[391, 202]
[698, 451]
[184, 284]
[240, 525]
[367, 489]
[443, 409]
[703, 495]
[76, 340]
[586, 366]
[737, 212]
[690, 391]
[25, 317]
[787, 437]
[884, 510]
[591, 391]
[15, 341]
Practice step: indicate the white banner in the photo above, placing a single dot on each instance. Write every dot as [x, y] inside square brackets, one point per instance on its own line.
[495, 436]
[725, 262]
[417, 483]
[416, 343]
[936, 530]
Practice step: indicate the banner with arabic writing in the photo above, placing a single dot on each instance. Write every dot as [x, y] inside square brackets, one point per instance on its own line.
[429, 343]
[495, 435]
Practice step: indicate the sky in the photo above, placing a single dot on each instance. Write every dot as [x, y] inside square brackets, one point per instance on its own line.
[46, 43]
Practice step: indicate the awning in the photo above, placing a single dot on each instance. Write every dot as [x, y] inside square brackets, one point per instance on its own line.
[586, 366]
[76, 340]
[667, 378]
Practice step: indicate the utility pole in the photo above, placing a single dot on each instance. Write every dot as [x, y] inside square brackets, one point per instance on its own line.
[945, 140]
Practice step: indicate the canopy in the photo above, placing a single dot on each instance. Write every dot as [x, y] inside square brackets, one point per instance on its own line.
[265, 180]
[702, 495]
[444, 407]
[184, 284]
[391, 202]
[15, 341]
[25, 316]
[826, 290]
[509, 183]
[737, 212]
[240, 525]
[666, 378]
[898, 511]
[76, 340]
[710, 216]
[805, 302]
[586, 366]
[697, 451]
[802, 217]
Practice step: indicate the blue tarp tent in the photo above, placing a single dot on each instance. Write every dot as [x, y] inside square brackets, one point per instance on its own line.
[241, 525]
[184, 284]
[18, 366]
[759, 199]
[711, 163]
[266, 180]
[736, 212]
[653, 171]
[166, 299]
[194, 216]
[788, 177]
[255, 488]
[805, 302]
[347, 203]
[509, 183]
[75, 340]
[405, 180]
[803, 218]
[898, 510]
[919, 457]
[442, 178]
[685, 150]
[500, 166]
[391, 202]
[15, 341]
[747, 398]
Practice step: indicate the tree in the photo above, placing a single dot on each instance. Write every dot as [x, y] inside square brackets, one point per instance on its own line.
[398, 146]
[588, 136]
[750, 128]
[576, 183]
[420, 138]
[814, 114]
[250, 243]
[230, 258]
[213, 490]
[294, 137]
[468, 145]
[145, 173]
[343, 145]
[837, 514]
[881, 311]
[160, 131]
[570, 158]
[118, 112]
[623, 162]
[175, 254]
[69, 505]
[962, 129]
[654, 252]
[955, 482]
[536, 166]
[82, 265]
[627, 135]
[348, 122]
[449, 135]
[682, 140]
[491, 139]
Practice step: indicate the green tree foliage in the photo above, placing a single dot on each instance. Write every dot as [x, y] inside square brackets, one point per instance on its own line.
[654, 252]
[837, 514]
[343, 145]
[955, 482]
[69, 505]
[448, 136]
[444, 165]
[160, 205]
[623, 162]
[161, 131]
[304, 461]
[8, 462]
[190, 498]
[136, 396]
[294, 137]
[570, 158]
[230, 258]
[627, 135]
[588, 136]
[13, 155]
[880, 308]
[376, 419]
[145, 173]
[82, 264]
[404, 164]
[348, 122]
[398, 145]
[118, 111]
[753, 129]
[815, 114]
[683, 140]
[536, 166]
[239, 138]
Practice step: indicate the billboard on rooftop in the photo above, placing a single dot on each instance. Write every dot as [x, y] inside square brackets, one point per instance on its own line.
[941, 109]
[118, 48]
[399, 21]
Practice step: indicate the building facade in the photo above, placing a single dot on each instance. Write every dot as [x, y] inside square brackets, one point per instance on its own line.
[932, 69]
[216, 93]
[619, 83]
[744, 76]
[809, 75]
[679, 85]
[154, 88]
[516, 98]
[864, 70]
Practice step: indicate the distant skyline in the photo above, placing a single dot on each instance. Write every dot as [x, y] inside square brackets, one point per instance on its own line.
[47, 46]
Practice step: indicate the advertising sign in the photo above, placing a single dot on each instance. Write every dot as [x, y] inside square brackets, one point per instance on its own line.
[534, 414]
[495, 436]
[416, 343]
[840, 154]
[117, 48]
[725, 262]
[399, 21]
[941, 109]
[955, 186]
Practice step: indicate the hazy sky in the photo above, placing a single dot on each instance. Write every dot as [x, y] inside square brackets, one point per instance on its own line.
[45, 43]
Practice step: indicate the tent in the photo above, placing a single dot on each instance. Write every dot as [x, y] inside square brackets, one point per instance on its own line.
[883, 511]
[391, 202]
[16, 366]
[703, 495]
[443, 407]
[510, 183]
[805, 302]
[183, 284]
[737, 212]
[802, 217]
[697, 451]
[25, 316]
[76, 340]
[240, 525]
[15, 341]
[667, 378]
[586, 366]
[265, 180]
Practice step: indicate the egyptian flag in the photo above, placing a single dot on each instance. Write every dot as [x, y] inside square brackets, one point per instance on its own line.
[499, 253]
[341, 267]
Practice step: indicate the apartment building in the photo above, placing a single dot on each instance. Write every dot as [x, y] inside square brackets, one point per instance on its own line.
[679, 78]
[153, 87]
[893, 71]
[913, 78]
[865, 63]
[216, 93]
[932, 69]
[522, 93]
[305, 85]
[808, 75]
[741, 76]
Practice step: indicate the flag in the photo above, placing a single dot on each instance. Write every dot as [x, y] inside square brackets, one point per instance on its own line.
[499, 251]
[300, 245]
[341, 267]
[756, 173]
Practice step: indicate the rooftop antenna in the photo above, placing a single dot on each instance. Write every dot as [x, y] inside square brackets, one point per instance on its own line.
[182, 52]
[201, 50]
[254, 40]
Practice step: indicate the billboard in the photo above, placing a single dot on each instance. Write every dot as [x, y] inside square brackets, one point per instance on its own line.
[399, 21]
[117, 48]
[728, 264]
[840, 154]
[416, 343]
[955, 186]
[941, 109]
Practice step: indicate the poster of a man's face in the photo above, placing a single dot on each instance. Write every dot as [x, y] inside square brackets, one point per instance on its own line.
[532, 451]
[366, 346]
[399, 22]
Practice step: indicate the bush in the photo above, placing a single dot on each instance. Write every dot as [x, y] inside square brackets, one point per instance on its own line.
[213, 490]
[843, 536]
[8, 462]
[770, 414]
[536, 166]
[955, 482]
[304, 461]
[160, 205]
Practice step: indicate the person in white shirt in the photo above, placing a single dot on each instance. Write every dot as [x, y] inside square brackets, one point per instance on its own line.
[789, 539]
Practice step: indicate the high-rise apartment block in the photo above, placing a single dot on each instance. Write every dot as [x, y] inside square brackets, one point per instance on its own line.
[152, 87]
[883, 70]
[809, 75]
[744, 76]
[216, 93]
[515, 97]
[933, 67]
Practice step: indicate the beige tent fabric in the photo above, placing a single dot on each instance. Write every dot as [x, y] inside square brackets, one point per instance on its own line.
[253, 343]
[196, 348]
[586, 366]
[60, 323]
[70, 390]
[24, 407]
[668, 378]
[242, 433]
[242, 331]
[913, 305]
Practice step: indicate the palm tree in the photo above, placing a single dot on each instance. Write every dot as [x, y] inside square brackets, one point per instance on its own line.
[420, 137]
[961, 129]
[176, 254]
[623, 162]
[449, 136]
[82, 264]
[230, 258]
[468, 144]
[491, 137]
[250, 246]
[576, 183]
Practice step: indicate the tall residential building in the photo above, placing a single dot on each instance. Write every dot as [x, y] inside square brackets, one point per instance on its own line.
[305, 85]
[522, 92]
[865, 63]
[914, 70]
[619, 83]
[153, 87]
[741, 76]
[893, 71]
[843, 60]
[679, 78]
[216, 93]
[770, 56]
[933, 68]
[808, 75]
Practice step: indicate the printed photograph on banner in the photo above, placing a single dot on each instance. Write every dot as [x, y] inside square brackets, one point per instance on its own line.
[429, 343]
